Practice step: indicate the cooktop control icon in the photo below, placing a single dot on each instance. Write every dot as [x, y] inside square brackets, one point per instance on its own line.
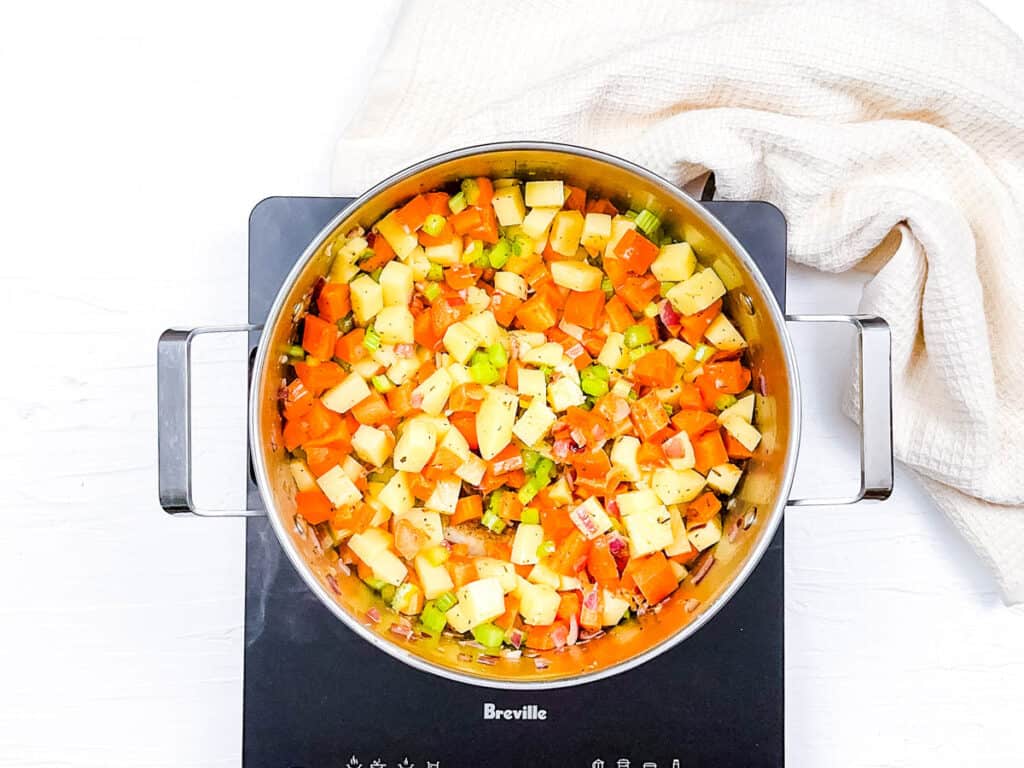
[353, 762]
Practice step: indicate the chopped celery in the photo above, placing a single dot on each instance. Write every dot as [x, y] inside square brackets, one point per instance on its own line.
[636, 354]
[647, 222]
[432, 291]
[521, 245]
[382, 383]
[371, 340]
[668, 408]
[607, 287]
[547, 370]
[530, 461]
[638, 335]
[436, 555]
[544, 469]
[432, 618]
[474, 253]
[346, 324]
[530, 489]
[434, 224]
[482, 370]
[457, 202]
[471, 191]
[445, 602]
[388, 593]
[492, 522]
[724, 401]
[594, 380]
[497, 355]
[530, 515]
[374, 583]
[665, 240]
[703, 353]
[366, 255]
[346, 366]
[631, 214]
[294, 350]
[435, 273]
[546, 548]
[488, 635]
[498, 255]
[375, 275]
[665, 288]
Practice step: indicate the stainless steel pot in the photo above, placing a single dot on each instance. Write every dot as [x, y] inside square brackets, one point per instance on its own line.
[751, 518]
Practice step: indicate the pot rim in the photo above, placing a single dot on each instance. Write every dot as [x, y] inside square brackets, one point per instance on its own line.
[754, 558]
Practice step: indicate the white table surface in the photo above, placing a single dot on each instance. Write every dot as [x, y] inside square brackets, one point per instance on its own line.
[134, 143]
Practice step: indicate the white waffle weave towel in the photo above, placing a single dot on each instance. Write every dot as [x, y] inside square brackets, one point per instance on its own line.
[856, 119]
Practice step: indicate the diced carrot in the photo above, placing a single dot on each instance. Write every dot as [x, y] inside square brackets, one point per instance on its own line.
[692, 327]
[537, 314]
[333, 302]
[467, 508]
[690, 397]
[571, 553]
[314, 506]
[372, 410]
[556, 521]
[649, 416]
[638, 292]
[510, 507]
[321, 419]
[319, 378]
[507, 620]
[297, 400]
[443, 237]
[505, 307]
[423, 331]
[734, 447]
[461, 571]
[350, 347]
[577, 199]
[421, 486]
[593, 464]
[693, 422]
[400, 399]
[296, 432]
[616, 270]
[318, 337]
[545, 638]
[568, 606]
[467, 397]
[730, 376]
[382, 254]
[465, 422]
[709, 451]
[650, 455]
[637, 251]
[322, 458]
[655, 369]
[654, 578]
[337, 435]
[585, 308]
[438, 203]
[447, 311]
[703, 508]
[445, 460]
[619, 315]
[488, 228]
[601, 564]
[593, 342]
[466, 220]
[414, 213]
[602, 206]
[461, 276]
[485, 193]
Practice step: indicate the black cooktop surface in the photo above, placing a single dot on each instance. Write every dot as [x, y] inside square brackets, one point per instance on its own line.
[318, 696]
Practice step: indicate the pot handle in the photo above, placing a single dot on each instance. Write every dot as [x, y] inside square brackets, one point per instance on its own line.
[174, 420]
[874, 343]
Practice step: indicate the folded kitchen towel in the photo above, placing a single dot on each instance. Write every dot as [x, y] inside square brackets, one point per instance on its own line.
[863, 122]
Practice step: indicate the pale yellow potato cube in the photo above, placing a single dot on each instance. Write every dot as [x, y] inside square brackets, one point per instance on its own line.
[477, 299]
[482, 600]
[613, 608]
[704, 536]
[559, 492]
[508, 206]
[532, 383]
[304, 479]
[566, 230]
[395, 325]
[537, 222]
[434, 579]
[352, 390]
[402, 369]
[675, 262]
[624, 456]
[550, 353]
[743, 408]
[632, 502]
[674, 486]
[502, 570]
[487, 327]
[590, 518]
[613, 353]
[525, 544]
[396, 284]
[545, 194]
[724, 478]
[427, 522]
[576, 275]
[541, 574]
[387, 567]
[565, 393]
[696, 293]
[742, 430]
[495, 420]
[353, 469]
[419, 263]
[445, 496]
[677, 570]
[446, 254]
[455, 442]
[597, 230]
[620, 226]
[681, 352]
[372, 445]
[648, 531]
[338, 487]
[415, 445]
[472, 470]
[511, 283]
[535, 422]
[539, 605]
[433, 392]
[396, 494]
[461, 341]
[459, 618]
[402, 241]
[680, 542]
[723, 334]
[366, 297]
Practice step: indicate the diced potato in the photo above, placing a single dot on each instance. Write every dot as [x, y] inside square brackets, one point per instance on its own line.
[458, 618]
[680, 543]
[396, 284]
[696, 293]
[444, 496]
[402, 241]
[704, 536]
[395, 325]
[534, 423]
[724, 478]
[486, 326]
[435, 579]
[346, 253]
[731, 277]
[502, 183]
[524, 340]
[597, 229]
[433, 392]
[675, 486]
[681, 352]
[495, 419]
[565, 393]
[623, 456]
[723, 334]
[472, 470]
[620, 226]
[385, 354]
[632, 502]
[675, 263]
[367, 299]
[527, 540]
[396, 494]
[455, 442]
[681, 448]
[576, 275]
[372, 445]
[304, 479]
[502, 570]
[403, 368]
[427, 521]
[419, 263]
[532, 382]
[590, 518]
[539, 605]
[566, 230]
[559, 493]
[678, 570]
[446, 254]
[743, 408]
[508, 206]
[353, 469]
[546, 194]
[648, 531]
[461, 341]
[338, 487]
[541, 574]
[613, 353]
[742, 430]
[482, 600]
[613, 608]
[366, 369]
[415, 445]
[477, 299]
[537, 221]
[549, 353]
[511, 283]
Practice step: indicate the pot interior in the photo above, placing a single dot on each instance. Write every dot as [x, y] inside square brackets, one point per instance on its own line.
[752, 515]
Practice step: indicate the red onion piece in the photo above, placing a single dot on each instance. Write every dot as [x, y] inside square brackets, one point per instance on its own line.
[703, 565]
[668, 314]
[405, 350]
[574, 631]
[373, 615]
